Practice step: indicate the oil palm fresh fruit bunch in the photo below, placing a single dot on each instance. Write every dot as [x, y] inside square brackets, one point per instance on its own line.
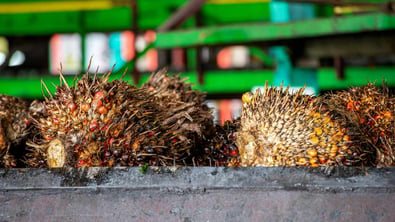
[182, 107]
[368, 113]
[97, 122]
[218, 147]
[189, 116]
[183, 116]
[163, 85]
[279, 128]
[78, 122]
[14, 127]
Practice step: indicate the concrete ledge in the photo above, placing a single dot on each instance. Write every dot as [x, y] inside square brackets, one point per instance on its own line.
[198, 194]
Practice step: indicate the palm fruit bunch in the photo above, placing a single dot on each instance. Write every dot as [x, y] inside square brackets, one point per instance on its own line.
[75, 124]
[182, 110]
[179, 120]
[97, 122]
[218, 147]
[280, 128]
[209, 145]
[14, 126]
[368, 114]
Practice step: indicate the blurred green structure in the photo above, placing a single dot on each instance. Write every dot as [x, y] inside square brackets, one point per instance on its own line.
[219, 23]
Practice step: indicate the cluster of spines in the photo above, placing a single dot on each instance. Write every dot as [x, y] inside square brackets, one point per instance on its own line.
[280, 128]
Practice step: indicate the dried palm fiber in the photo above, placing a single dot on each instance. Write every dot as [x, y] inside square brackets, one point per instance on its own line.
[14, 127]
[185, 118]
[368, 114]
[279, 128]
[175, 96]
[218, 147]
[213, 145]
[96, 122]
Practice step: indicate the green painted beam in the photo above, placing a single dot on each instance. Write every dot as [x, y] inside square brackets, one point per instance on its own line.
[215, 81]
[151, 14]
[107, 20]
[239, 34]
[219, 14]
[232, 81]
[65, 22]
[355, 77]
[48, 23]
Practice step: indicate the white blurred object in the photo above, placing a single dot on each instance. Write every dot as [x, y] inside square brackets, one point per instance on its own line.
[239, 56]
[213, 105]
[141, 43]
[149, 61]
[18, 58]
[233, 57]
[97, 48]
[141, 64]
[235, 105]
[2, 58]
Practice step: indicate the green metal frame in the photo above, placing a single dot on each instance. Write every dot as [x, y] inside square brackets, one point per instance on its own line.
[247, 33]
[65, 22]
[153, 13]
[215, 81]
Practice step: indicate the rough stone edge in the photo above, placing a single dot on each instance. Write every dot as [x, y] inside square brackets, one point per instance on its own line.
[201, 179]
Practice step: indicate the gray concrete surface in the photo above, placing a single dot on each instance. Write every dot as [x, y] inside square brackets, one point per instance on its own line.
[198, 194]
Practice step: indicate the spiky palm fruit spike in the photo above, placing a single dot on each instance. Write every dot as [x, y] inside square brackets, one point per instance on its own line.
[368, 113]
[102, 123]
[77, 122]
[165, 124]
[13, 127]
[279, 128]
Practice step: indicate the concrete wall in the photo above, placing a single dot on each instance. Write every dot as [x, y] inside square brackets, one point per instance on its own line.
[198, 194]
